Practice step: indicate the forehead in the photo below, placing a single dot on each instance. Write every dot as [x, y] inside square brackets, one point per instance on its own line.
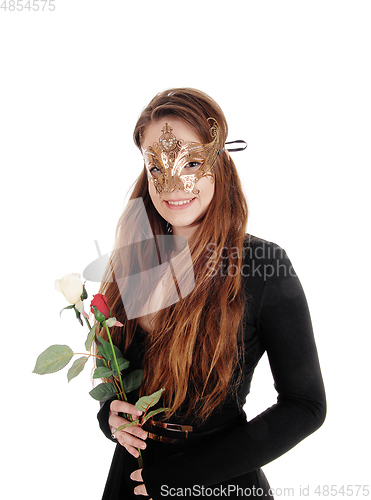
[179, 129]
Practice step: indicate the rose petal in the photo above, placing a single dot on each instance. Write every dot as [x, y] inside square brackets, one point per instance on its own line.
[80, 306]
[57, 286]
[100, 303]
[113, 322]
[71, 287]
[110, 322]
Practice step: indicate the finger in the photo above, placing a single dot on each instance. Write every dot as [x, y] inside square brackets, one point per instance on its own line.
[133, 451]
[136, 475]
[124, 407]
[115, 422]
[140, 490]
[130, 442]
[135, 430]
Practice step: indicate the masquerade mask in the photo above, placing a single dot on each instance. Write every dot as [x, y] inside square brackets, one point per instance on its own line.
[173, 165]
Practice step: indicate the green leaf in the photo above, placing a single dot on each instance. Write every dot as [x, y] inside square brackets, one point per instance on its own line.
[100, 362]
[68, 307]
[105, 349]
[133, 380]
[91, 336]
[98, 315]
[102, 372]
[147, 401]
[123, 364]
[77, 367]
[84, 294]
[78, 316]
[53, 359]
[103, 392]
[118, 353]
[153, 413]
[135, 422]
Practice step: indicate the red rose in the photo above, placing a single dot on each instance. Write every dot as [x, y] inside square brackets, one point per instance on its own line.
[100, 302]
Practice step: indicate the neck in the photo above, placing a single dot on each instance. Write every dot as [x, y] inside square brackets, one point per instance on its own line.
[186, 232]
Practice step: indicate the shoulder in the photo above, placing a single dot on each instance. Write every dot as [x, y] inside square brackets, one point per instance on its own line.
[255, 248]
[264, 259]
[265, 265]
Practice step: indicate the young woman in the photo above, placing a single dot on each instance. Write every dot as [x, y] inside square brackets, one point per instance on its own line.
[200, 323]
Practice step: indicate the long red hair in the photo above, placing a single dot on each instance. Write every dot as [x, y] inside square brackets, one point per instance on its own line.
[193, 348]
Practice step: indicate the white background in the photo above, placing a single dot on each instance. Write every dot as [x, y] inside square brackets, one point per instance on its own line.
[293, 78]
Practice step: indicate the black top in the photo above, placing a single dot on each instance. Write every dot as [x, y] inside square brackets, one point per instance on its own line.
[276, 320]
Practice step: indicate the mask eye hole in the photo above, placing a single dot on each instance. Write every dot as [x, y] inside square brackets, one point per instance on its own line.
[191, 168]
[155, 171]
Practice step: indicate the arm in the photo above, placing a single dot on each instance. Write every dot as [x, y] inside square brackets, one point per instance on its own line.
[284, 326]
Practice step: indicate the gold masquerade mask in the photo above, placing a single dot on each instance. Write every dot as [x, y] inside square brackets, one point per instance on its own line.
[173, 165]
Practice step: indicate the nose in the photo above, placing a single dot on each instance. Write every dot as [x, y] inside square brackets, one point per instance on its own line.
[173, 182]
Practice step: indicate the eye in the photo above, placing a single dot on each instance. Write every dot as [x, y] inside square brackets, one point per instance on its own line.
[156, 172]
[193, 165]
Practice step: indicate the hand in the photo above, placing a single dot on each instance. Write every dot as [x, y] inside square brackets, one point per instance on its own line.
[130, 437]
[141, 489]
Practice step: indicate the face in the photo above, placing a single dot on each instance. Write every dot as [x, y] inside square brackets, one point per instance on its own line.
[181, 185]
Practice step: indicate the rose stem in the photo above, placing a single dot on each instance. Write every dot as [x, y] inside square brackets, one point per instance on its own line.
[115, 359]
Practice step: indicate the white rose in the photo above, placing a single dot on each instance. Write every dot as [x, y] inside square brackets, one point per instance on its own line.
[71, 287]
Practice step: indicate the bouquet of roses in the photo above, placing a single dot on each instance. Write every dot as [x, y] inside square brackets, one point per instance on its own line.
[109, 361]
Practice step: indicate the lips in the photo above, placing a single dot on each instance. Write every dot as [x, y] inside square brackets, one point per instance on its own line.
[180, 203]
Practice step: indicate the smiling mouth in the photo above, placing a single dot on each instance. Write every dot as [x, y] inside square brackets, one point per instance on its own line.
[181, 202]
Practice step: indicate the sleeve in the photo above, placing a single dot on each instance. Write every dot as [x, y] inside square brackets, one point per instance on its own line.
[102, 416]
[284, 324]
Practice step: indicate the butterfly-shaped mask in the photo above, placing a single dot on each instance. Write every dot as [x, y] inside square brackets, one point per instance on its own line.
[172, 164]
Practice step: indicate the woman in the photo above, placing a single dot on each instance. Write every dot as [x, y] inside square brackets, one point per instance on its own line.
[239, 298]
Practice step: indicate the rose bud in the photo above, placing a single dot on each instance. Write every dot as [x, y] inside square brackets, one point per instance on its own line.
[99, 307]
[72, 288]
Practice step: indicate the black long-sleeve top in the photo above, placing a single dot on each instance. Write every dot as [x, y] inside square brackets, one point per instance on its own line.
[276, 320]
